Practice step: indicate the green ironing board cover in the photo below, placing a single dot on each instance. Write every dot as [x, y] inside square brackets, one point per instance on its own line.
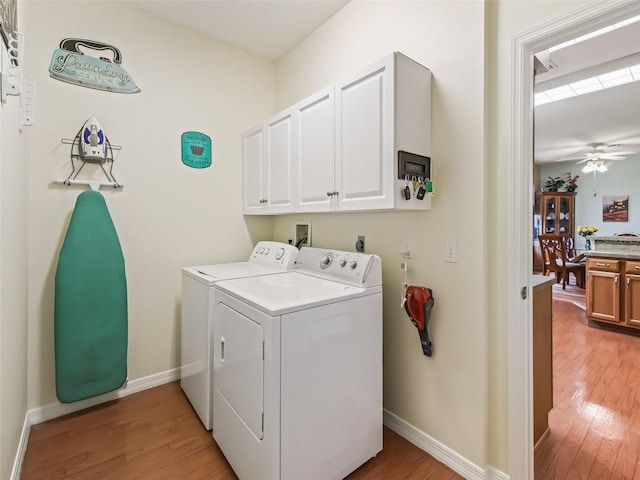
[90, 313]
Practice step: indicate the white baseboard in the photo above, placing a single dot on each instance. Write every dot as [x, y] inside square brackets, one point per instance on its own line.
[22, 448]
[55, 410]
[439, 451]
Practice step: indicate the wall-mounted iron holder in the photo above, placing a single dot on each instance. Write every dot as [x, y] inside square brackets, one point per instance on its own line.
[76, 156]
[11, 67]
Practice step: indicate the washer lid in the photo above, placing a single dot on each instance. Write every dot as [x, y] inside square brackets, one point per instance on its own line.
[290, 291]
[211, 274]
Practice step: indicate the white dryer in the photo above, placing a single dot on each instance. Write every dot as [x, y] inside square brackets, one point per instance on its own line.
[197, 308]
[298, 368]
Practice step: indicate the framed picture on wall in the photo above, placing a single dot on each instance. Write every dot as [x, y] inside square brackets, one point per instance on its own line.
[8, 19]
[615, 208]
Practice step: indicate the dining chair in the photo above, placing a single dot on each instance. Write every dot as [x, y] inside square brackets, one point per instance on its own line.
[557, 259]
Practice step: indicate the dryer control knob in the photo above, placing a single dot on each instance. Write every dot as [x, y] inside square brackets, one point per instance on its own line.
[353, 264]
[280, 254]
[343, 262]
[326, 260]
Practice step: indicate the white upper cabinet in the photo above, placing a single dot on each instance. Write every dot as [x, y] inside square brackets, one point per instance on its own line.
[364, 139]
[254, 176]
[268, 165]
[280, 162]
[352, 146]
[316, 152]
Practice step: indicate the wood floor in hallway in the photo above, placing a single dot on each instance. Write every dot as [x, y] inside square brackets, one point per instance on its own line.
[595, 422]
[155, 435]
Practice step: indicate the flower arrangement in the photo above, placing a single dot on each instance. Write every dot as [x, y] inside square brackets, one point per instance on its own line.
[571, 183]
[587, 230]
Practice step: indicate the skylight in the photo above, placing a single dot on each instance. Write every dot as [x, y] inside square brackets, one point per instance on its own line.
[599, 82]
[602, 31]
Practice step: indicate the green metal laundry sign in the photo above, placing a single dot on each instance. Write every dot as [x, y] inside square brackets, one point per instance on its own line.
[70, 64]
[196, 150]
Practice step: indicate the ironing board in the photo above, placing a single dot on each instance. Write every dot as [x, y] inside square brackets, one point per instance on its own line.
[90, 314]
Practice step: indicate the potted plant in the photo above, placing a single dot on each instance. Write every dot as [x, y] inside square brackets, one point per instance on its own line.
[571, 183]
[554, 184]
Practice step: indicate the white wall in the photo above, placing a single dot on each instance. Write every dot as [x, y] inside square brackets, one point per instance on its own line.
[506, 20]
[460, 395]
[168, 215]
[445, 395]
[621, 179]
[13, 283]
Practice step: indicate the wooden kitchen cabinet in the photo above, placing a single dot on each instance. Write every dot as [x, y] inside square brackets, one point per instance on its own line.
[613, 291]
[542, 356]
[632, 293]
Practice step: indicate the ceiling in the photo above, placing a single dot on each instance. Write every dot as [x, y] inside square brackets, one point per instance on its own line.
[564, 128]
[267, 28]
[270, 28]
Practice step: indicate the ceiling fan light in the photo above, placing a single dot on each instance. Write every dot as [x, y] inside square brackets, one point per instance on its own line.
[589, 167]
[602, 168]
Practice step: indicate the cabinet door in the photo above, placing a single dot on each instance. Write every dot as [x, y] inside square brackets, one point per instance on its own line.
[564, 215]
[280, 160]
[632, 300]
[253, 174]
[549, 211]
[364, 139]
[316, 152]
[603, 296]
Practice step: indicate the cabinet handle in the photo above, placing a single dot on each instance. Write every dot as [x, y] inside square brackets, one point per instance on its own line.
[637, 267]
[329, 194]
[263, 200]
[335, 193]
[603, 264]
[615, 280]
[628, 279]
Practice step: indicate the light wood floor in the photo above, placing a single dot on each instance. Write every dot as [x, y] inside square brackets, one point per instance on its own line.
[595, 422]
[156, 434]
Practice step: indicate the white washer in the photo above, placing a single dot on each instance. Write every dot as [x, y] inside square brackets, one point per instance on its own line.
[198, 292]
[297, 386]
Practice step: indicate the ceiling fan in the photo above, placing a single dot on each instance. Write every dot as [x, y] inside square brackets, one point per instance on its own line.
[598, 153]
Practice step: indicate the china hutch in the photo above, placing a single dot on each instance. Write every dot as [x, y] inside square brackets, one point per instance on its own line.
[554, 214]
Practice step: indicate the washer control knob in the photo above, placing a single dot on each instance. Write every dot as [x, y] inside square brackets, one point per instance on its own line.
[353, 264]
[343, 262]
[326, 260]
[280, 254]
[267, 250]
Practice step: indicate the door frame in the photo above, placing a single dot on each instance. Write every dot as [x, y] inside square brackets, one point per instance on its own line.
[520, 233]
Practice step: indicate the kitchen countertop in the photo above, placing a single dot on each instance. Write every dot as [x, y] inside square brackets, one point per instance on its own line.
[622, 254]
[538, 282]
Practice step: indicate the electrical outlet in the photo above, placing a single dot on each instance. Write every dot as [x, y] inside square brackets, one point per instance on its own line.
[451, 251]
[407, 251]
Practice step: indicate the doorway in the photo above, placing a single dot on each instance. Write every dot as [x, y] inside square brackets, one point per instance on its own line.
[588, 18]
